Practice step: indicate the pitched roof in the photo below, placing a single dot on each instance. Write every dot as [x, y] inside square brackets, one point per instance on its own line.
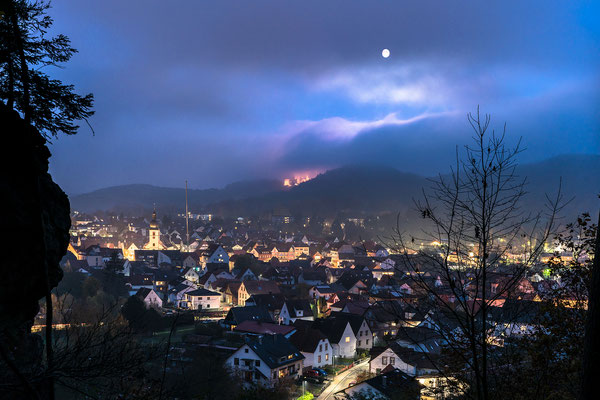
[307, 339]
[261, 287]
[202, 292]
[299, 305]
[333, 328]
[409, 356]
[271, 301]
[274, 350]
[355, 321]
[394, 383]
[237, 315]
[264, 328]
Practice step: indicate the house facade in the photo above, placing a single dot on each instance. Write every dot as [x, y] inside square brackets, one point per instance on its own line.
[203, 299]
[265, 361]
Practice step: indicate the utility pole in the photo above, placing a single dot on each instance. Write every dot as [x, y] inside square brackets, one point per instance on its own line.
[187, 229]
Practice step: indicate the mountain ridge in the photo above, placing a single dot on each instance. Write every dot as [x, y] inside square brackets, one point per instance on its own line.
[358, 188]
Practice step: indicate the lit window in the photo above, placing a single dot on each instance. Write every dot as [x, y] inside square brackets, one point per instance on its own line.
[326, 357]
[347, 339]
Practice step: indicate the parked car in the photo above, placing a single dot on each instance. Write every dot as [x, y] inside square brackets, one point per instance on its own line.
[313, 376]
[321, 371]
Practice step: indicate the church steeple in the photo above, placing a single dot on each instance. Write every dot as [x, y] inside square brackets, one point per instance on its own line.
[154, 242]
[154, 223]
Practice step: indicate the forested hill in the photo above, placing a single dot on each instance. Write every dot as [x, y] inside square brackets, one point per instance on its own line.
[138, 198]
[359, 189]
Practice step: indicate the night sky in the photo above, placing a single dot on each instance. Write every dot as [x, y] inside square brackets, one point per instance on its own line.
[220, 91]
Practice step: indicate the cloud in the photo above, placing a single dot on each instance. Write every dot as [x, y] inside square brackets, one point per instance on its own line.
[340, 129]
[228, 90]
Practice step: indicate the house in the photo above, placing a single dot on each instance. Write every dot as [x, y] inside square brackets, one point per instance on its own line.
[313, 278]
[203, 299]
[340, 335]
[272, 302]
[266, 360]
[246, 275]
[283, 252]
[515, 317]
[322, 291]
[150, 297]
[136, 282]
[212, 253]
[231, 292]
[360, 328]
[237, 315]
[162, 279]
[420, 339]
[301, 248]
[410, 362]
[314, 345]
[393, 384]
[190, 274]
[177, 294]
[295, 309]
[249, 288]
[189, 261]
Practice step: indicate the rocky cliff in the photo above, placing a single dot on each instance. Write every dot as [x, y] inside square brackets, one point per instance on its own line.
[35, 234]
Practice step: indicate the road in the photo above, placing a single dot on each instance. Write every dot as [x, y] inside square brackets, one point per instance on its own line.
[342, 380]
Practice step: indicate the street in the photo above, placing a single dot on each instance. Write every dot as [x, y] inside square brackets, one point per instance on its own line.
[343, 380]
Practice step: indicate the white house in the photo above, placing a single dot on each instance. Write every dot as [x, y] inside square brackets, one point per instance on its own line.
[190, 275]
[293, 310]
[177, 294]
[314, 345]
[340, 335]
[406, 360]
[265, 360]
[150, 297]
[393, 384]
[203, 299]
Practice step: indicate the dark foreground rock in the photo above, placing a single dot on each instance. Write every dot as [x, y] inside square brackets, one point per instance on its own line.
[35, 235]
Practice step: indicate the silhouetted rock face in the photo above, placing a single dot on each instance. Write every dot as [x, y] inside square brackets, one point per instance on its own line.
[35, 224]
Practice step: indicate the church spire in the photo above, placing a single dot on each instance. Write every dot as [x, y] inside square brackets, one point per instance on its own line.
[154, 223]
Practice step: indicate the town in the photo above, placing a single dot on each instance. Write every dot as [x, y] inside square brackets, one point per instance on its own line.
[332, 316]
[298, 200]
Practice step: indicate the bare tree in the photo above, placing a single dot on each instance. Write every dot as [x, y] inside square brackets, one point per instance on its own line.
[474, 219]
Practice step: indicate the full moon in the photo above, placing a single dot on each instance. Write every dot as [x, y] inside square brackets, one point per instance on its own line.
[385, 53]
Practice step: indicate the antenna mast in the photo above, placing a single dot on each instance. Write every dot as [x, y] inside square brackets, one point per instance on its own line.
[187, 230]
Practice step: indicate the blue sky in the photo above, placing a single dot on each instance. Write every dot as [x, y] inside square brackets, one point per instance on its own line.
[222, 91]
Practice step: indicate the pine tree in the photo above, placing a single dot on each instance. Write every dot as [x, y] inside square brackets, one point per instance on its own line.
[26, 50]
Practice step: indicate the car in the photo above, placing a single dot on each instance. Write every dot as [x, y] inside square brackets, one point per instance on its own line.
[313, 376]
[321, 371]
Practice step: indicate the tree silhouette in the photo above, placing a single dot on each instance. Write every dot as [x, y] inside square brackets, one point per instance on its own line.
[25, 51]
[474, 216]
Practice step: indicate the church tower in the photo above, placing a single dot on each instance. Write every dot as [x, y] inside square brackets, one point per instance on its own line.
[154, 242]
